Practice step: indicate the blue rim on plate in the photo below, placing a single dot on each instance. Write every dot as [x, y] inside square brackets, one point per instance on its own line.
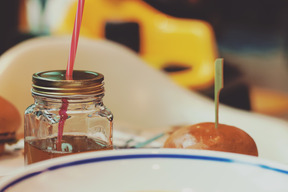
[140, 156]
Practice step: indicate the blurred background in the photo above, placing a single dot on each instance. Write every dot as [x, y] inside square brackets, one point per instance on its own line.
[251, 36]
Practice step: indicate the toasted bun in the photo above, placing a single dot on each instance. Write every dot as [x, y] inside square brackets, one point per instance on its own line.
[205, 136]
[10, 120]
[2, 148]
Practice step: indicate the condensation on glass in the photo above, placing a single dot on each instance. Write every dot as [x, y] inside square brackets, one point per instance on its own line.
[89, 123]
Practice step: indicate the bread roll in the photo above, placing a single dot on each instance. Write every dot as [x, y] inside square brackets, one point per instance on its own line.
[205, 136]
[10, 121]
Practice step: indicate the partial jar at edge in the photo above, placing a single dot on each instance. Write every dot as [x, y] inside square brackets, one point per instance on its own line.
[89, 124]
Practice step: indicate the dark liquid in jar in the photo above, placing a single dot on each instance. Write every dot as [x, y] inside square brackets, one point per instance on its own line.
[43, 149]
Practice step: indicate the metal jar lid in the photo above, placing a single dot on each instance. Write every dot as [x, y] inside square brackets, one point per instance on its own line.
[54, 83]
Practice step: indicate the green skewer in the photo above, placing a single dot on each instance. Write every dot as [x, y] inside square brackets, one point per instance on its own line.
[218, 86]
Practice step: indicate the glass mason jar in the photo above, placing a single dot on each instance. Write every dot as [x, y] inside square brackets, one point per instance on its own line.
[67, 117]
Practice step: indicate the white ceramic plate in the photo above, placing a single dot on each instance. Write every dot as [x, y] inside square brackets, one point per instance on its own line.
[147, 170]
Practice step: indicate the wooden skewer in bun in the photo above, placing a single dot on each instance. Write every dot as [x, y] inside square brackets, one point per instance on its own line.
[205, 136]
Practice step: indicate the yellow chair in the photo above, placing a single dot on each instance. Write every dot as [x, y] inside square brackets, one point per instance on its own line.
[164, 40]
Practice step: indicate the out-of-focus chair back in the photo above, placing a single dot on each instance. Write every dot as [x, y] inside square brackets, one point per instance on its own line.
[139, 96]
[135, 92]
[185, 48]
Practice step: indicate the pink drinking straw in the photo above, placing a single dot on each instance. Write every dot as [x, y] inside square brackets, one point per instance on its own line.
[69, 70]
[74, 41]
